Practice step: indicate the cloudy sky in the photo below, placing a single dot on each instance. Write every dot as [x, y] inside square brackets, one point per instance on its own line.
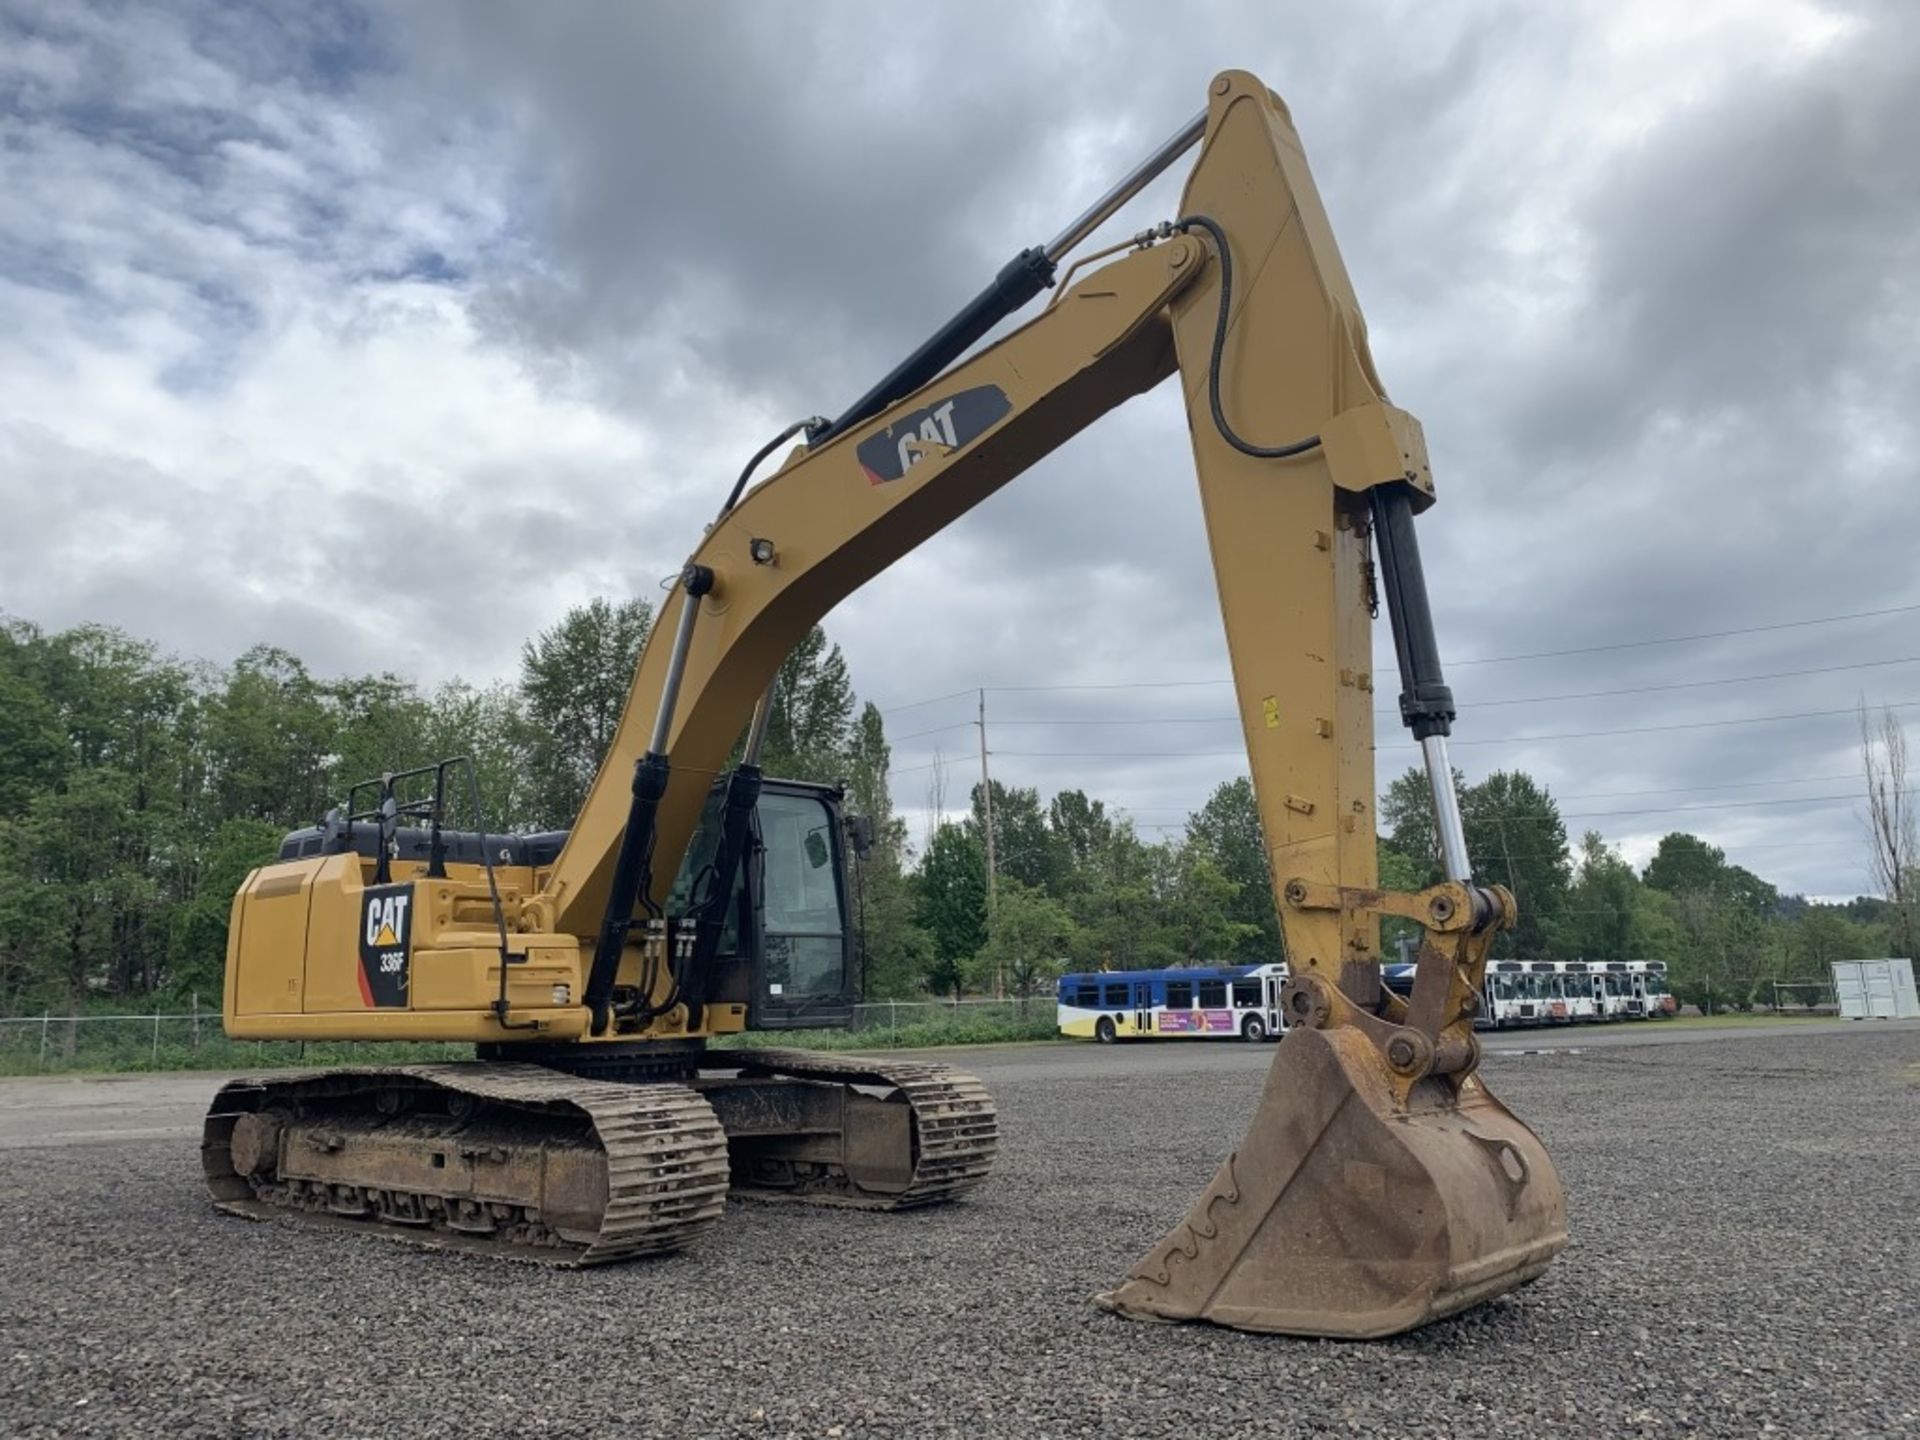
[387, 333]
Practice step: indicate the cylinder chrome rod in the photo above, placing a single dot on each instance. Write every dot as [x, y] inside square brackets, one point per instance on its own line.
[695, 581]
[1446, 810]
[1130, 185]
[757, 727]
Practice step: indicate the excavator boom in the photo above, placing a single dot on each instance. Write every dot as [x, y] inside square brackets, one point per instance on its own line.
[1380, 1185]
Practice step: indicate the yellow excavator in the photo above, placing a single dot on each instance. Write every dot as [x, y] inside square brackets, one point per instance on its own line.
[1380, 1185]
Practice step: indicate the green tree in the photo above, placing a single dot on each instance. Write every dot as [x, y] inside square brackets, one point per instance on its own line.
[898, 954]
[1406, 809]
[1399, 871]
[1023, 846]
[1515, 837]
[490, 726]
[868, 758]
[1028, 941]
[269, 737]
[33, 742]
[112, 831]
[1821, 935]
[197, 939]
[1225, 833]
[1685, 863]
[1081, 830]
[810, 732]
[381, 724]
[1201, 905]
[1123, 916]
[953, 904]
[79, 889]
[1604, 915]
[575, 677]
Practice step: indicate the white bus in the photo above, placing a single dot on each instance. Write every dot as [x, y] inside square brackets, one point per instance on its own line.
[1514, 993]
[1607, 982]
[1212, 1002]
[1559, 992]
[1576, 995]
[1649, 997]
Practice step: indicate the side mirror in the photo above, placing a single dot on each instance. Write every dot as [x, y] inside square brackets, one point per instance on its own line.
[859, 829]
[336, 834]
[816, 848]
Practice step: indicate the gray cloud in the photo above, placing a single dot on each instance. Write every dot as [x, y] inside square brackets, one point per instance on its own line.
[523, 287]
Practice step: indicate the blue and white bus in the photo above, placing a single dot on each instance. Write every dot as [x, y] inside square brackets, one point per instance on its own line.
[1219, 1002]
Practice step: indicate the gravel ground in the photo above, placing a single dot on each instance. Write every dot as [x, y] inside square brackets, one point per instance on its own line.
[1744, 1262]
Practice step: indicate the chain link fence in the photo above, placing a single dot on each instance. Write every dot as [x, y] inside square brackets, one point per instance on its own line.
[192, 1039]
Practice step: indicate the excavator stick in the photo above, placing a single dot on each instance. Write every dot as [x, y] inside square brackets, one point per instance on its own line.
[1380, 1186]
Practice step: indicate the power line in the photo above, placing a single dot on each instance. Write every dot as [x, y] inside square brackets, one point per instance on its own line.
[1684, 639]
[1674, 809]
[1457, 741]
[1572, 854]
[1661, 809]
[1691, 684]
[936, 730]
[1593, 794]
[935, 700]
[1713, 805]
[1470, 705]
[1658, 729]
[1696, 789]
[1483, 660]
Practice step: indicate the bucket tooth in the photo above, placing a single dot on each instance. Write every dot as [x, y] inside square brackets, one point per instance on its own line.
[1348, 1212]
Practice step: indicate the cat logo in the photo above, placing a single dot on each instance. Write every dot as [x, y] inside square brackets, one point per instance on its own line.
[386, 943]
[938, 430]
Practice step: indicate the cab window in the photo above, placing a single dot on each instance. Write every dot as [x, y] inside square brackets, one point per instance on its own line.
[806, 942]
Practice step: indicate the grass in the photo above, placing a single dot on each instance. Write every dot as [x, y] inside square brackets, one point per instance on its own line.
[1741, 1019]
[20, 1052]
[103, 1045]
[963, 1028]
[99, 1045]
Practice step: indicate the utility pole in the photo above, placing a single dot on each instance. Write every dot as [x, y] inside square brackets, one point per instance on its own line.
[1507, 850]
[986, 806]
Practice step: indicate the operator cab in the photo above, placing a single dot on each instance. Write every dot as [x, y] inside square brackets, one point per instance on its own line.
[786, 951]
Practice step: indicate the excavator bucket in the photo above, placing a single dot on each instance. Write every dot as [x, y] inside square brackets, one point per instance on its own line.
[1353, 1212]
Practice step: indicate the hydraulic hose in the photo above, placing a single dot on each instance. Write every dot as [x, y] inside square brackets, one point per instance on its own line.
[1227, 433]
[812, 422]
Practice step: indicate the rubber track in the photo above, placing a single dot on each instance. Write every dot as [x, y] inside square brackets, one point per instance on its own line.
[666, 1154]
[956, 1129]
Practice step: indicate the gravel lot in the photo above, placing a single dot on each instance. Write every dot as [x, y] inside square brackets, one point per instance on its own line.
[1745, 1261]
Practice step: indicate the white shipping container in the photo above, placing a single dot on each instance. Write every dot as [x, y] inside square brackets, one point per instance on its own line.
[1876, 989]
